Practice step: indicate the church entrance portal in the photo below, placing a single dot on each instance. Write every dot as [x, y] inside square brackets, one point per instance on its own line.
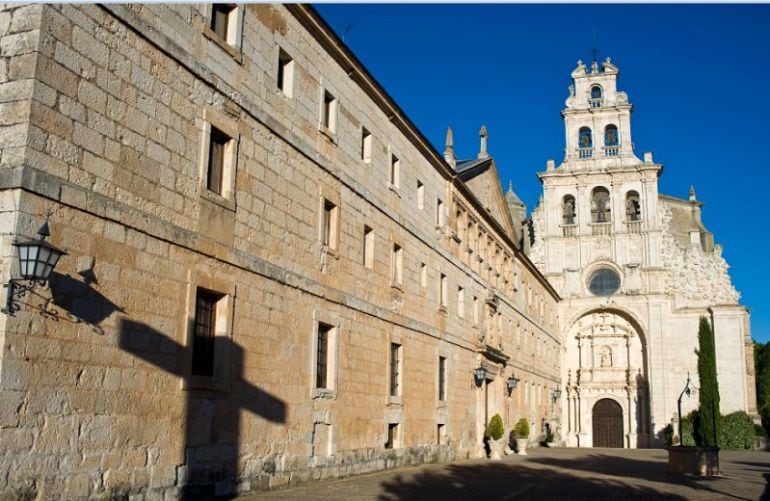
[608, 424]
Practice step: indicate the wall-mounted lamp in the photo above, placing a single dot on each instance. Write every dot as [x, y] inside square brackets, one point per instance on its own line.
[511, 384]
[37, 259]
[556, 393]
[480, 375]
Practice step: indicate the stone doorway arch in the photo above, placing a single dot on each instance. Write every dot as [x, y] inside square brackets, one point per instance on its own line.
[607, 421]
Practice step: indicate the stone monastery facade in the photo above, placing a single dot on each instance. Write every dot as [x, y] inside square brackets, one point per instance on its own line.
[272, 277]
[636, 270]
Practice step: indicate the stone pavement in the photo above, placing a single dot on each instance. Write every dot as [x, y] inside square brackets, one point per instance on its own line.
[547, 474]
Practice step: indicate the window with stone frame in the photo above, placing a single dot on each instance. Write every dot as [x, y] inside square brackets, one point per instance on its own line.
[368, 250]
[329, 224]
[442, 379]
[395, 174]
[204, 332]
[569, 210]
[220, 146]
[366, 145]
[397, 266]
[328, 112]
[395, 370]
[285, 76]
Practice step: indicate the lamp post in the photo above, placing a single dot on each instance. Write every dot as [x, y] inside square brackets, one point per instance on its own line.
[679, 407]
[37, 259]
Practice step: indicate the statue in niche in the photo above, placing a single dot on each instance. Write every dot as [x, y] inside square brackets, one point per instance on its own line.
[606, 357]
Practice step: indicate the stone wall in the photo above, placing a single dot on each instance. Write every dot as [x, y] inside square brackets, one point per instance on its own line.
[110, 110]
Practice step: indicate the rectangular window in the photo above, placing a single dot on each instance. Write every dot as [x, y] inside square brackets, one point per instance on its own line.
[285, 80]
[204, 332]
[423, 275]
[368, 247]
[420, 195]
[442, 291]
[439, 213]
[397, 265]
[395, 166]
[475, 310]
[218, 146]
[442, 379]
[329, 112]
[366, 145]
[329, 225]
[222, 18]
[392, 435]
[322, 356]
[395, 369]
[441, 434]
[460, 302]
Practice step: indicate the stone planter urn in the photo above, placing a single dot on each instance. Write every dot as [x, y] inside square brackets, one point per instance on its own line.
[701, 461]
[521, 446]
[496, 448]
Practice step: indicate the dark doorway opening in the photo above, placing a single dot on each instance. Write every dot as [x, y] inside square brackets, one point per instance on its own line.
[608, 424]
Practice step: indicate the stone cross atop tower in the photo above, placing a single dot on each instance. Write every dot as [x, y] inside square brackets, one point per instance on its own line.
[483, 135]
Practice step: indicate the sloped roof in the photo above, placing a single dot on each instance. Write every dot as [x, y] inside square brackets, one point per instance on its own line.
[468, 169]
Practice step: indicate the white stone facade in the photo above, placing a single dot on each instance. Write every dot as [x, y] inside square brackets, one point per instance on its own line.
[602, 222]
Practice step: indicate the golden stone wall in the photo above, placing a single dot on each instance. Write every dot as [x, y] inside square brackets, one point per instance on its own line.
[105, 117]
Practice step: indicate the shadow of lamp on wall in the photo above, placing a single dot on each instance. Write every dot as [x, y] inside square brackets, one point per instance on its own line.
[37, 259]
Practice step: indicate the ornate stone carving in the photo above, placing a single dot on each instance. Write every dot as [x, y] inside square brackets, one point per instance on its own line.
[693, 273]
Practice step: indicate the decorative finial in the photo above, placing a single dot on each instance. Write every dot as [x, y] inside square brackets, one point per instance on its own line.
[483, 135]
[44, 232]
[449, 151]
[510, 185]
[692, 193]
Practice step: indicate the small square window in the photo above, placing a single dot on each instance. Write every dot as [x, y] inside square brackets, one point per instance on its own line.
[219, 146]
[222, 18]
[439, 213]
[329, 225]
[368, 250]
[397, 266]
[441, 434]
[395, 167]
[443, 291]
[285, 79]
[366, 146]
[204, 332]
[420, 195]
[329, 112]
[442, 378]
[391, 442]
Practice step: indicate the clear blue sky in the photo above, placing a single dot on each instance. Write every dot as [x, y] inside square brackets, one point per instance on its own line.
[698, 76]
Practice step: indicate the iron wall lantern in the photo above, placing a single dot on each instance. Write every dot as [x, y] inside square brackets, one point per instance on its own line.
[480, 375]
[511, 384]
[556, 394]
[37, 259]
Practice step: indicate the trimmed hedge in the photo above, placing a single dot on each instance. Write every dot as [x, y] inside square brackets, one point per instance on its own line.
[737, 431]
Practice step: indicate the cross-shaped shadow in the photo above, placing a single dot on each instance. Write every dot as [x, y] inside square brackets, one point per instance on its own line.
[212, 416]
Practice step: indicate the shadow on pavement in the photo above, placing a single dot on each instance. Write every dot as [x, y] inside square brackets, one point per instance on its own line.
[648, 470]
[509, 481]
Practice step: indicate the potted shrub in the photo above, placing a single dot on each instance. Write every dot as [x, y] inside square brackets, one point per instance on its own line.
[494, 434]
[521, 433]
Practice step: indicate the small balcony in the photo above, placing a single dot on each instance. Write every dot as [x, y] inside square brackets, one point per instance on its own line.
[584, 153]
[595, 102]
[634, 226]
[612, 151]
[601, 229]
[569, 230]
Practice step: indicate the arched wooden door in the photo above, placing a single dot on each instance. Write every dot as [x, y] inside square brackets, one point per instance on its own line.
[608, 424]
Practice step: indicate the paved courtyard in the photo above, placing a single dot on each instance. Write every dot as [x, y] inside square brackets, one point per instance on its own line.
[549, 474]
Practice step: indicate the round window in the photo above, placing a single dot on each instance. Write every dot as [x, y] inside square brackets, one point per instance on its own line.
[604, 282]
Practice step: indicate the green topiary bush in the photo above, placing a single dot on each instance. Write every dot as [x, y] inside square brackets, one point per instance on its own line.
[521, 430]
[495, 429]
[737, 431]
[687, 431]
